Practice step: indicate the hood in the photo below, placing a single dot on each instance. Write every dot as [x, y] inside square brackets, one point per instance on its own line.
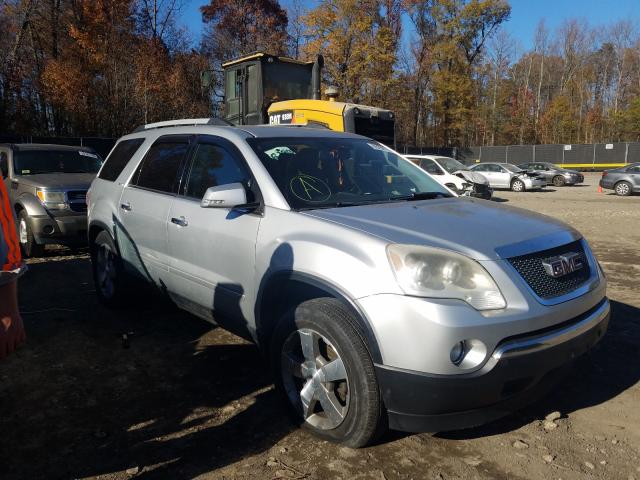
[59, 181]
[473, 177]
[479, 229]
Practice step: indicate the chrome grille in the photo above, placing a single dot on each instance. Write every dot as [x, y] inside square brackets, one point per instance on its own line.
[532, 271]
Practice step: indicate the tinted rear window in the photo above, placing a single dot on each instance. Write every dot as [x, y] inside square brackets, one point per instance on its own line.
[119, 158]
[160, 166]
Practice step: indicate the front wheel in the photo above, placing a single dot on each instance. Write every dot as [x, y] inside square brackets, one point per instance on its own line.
[28, 244]
[558, 181]
[623, 189]
[517, 186]
[324, 371]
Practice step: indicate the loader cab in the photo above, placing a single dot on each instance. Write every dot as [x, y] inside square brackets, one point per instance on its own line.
[252, 83]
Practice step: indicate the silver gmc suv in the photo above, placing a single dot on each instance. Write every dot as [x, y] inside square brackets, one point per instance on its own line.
[379, 297]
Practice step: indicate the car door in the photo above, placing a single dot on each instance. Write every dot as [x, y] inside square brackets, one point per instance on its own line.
[492, 173]
[213, 249]
[141, 226]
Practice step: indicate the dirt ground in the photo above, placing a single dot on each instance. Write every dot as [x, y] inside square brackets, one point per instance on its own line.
[178, 398]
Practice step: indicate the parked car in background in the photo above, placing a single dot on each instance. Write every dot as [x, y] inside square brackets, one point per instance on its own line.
[506, 175]
[553, 174]
[624, 180]
[379, 298]
[454, 174]
[47, 186]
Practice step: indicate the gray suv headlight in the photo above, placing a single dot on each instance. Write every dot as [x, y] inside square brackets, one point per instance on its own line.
[436, 273]
[52, 199]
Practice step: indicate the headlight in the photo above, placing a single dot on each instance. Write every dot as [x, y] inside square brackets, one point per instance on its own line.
[436, 273]
[52, 199]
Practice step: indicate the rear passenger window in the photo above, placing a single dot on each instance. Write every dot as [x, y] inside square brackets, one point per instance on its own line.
[212, 166]
[160, 166]
[119, 158]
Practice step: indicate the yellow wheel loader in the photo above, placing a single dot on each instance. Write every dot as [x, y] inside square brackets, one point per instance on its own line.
[268, 89]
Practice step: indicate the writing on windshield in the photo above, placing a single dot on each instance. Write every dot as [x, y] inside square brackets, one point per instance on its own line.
[328, 172]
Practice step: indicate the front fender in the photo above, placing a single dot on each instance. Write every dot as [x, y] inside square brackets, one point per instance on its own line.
[31, 204]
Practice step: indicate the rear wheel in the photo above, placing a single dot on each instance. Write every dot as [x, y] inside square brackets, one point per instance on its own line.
[558, 181]
[109, 278]
[28, 244]
[623, 189]
[324, 371]
[518, 185]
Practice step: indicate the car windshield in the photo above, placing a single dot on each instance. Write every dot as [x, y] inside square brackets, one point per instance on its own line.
[451, 165]
[512, 168]
[32, 162]
[336, 172]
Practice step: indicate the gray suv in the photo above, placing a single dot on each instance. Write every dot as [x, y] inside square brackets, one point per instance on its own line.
[379, 297]
[47, 186]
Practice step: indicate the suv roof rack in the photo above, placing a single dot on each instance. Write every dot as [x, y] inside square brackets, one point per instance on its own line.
[184, 122]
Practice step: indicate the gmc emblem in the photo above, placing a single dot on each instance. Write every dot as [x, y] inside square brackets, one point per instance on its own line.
[562, 265]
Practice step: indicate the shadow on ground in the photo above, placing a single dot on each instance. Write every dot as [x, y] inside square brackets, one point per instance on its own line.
[174, 401]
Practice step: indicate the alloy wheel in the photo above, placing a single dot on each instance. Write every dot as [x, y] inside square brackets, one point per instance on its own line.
[622, 189]
[106, 270]
[23, 232]
[518, 186]
[315, 379]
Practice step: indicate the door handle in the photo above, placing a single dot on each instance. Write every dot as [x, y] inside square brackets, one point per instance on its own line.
[126, 206]
[181, 222]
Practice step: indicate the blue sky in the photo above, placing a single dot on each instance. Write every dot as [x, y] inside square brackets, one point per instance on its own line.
[525, 15]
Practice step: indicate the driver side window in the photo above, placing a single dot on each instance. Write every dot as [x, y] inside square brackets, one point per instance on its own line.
[212, 166]
[430, 167]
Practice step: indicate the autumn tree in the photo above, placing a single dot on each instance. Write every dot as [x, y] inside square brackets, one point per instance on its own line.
[359, 40]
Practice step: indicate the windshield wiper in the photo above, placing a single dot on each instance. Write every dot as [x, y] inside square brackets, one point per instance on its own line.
[422, 196]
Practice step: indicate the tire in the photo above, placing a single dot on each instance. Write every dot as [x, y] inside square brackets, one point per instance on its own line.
[28, 244]
[558, 181]
[623, 188]
[109, 278]
[518, 186]
[326, 327]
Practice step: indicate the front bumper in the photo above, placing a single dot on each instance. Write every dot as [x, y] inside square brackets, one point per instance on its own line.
[520, 370]
[482, 191]
[67, 229]
[534, 183]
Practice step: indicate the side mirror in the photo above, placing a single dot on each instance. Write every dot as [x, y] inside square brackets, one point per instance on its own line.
[225, 196]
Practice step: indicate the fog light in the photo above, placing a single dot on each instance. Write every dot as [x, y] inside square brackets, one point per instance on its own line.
[457, 352]
[468, 354]
[47, 229]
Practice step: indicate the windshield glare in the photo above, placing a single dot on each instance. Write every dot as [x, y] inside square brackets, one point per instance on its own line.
[332, 172]
[33, 162]
[451, 165]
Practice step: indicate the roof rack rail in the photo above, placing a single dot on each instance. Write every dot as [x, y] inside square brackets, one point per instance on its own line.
[189, 122]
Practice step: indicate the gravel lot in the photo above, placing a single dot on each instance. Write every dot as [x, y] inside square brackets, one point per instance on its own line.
[181, 399]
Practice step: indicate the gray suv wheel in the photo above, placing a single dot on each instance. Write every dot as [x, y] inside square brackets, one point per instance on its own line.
[28, 244]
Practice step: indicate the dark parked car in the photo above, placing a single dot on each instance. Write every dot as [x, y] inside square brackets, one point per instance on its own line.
[553, 174]
[48, 186]
[624, 180]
